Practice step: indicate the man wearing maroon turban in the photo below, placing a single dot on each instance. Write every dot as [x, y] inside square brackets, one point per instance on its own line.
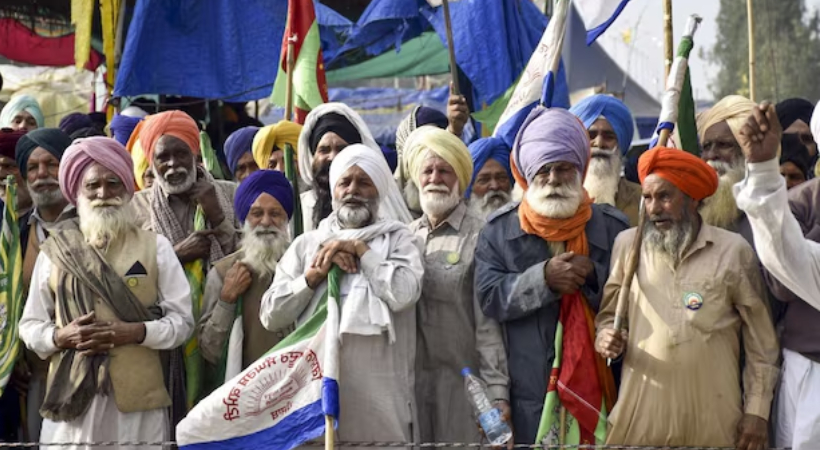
[697, 298]
[106, 297]
[8, 166]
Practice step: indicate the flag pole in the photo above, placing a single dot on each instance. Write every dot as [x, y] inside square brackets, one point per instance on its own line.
[289, 86]
[750, 14]
[329, 434]
[296, 224]
[560, 13]
[667, 34]
[448, 27]
[669, 114]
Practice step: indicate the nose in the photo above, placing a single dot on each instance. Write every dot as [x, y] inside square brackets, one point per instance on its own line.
[709, 153]
[552, 178]
[495, 185]
[266, 221]
[333, 154]
[42, 171]
[653, 208]
[103, 192]
[436, 177]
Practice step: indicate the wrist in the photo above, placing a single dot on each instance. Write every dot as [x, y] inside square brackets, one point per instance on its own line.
[361, 248]
[228, 297]
[139, 333]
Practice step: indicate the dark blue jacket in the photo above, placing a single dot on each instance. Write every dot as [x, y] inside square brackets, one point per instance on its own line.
[510, 286]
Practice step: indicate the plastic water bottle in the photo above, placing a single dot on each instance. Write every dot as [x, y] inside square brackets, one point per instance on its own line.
[497, 431]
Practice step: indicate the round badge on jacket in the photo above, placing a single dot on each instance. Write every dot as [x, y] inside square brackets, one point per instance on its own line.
[692, 300]
[453, 258]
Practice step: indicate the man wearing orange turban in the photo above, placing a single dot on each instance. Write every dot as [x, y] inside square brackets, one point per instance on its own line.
[697, 298]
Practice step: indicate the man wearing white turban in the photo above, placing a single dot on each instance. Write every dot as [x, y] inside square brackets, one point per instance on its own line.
[382, 282]
[22, 113]
[453, 332]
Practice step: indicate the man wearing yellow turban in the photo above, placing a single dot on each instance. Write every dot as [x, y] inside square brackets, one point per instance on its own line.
[269, 144]
[449, 321]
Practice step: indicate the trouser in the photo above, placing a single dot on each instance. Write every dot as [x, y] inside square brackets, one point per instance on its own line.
[798, 403]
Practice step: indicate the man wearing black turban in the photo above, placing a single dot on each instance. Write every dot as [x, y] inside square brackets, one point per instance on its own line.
[795, 115]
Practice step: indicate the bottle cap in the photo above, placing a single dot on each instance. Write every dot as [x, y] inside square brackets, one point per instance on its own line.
[466, 371]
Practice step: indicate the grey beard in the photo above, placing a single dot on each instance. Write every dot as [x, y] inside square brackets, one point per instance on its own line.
[490, 203]
[352, 215]
[603, 178]
[671, 244]
[412, 197]
[720, 210]
[173, 189]
[47, 198]
[262, 251]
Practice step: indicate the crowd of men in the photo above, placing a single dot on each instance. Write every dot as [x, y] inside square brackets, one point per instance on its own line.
[485, 256]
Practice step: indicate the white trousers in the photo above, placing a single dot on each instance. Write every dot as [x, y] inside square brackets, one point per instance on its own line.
[798, 403]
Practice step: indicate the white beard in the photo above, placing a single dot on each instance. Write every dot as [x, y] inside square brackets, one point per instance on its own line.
[603, 176]
[411, 196]
[492, 200]
[101, 224]
[47, 198]
[263, 247]
[437, 200]
[356, 212]
[563, 206]
[720, 210]
[173, 189]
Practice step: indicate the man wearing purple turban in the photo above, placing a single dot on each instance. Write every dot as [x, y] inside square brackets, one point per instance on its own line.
[105, 298]
[235, 285]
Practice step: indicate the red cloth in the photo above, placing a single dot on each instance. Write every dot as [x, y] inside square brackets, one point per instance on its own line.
[174, 123]
[301, 17]
[686, 171]
[8, 141]
[20, 43]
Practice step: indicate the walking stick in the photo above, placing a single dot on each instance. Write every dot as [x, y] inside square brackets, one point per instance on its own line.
[669, 114]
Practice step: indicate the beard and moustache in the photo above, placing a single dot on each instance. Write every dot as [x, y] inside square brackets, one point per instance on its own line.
[324, 199]
[489, 203]
[47, 198]
[354, 211]
[671, 244]
[102, 221]
[555, 202]
[604, 175]
[263, 247]
[179, 187]
[437, 200]
[720, 210]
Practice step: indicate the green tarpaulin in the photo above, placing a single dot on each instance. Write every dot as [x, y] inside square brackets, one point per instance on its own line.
[424, 55]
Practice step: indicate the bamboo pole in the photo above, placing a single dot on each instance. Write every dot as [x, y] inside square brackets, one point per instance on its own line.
[669, 51]
[329, 434]
[296, 224]
[289, 86]
[448, 26]
[750, 14]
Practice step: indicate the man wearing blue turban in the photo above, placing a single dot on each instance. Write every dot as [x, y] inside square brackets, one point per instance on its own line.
[491, 185]
[610, 128]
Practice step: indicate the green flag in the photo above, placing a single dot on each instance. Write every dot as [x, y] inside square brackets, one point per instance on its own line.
[11, 285]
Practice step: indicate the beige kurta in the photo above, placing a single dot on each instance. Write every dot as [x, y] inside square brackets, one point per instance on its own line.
[681, 376]
[453, 332]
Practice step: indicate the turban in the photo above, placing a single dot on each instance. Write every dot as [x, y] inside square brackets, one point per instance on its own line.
[336, 123]
[271, 182]
[312, 121]
[734, 109]
[815, 123]
[446, 146]
[85, 132]
[52, 140]
[122, 126]
[613, 110]
[98, 149]
[795, 152]
[277, 135]
[25, 103]
[550, 135]
[74, 122]
[237, 144]
[420, 116]
[791, 110]
[686, 171]
[391, 204]
[482, 151]
[8, 141]
[134, 147]
[173, 123]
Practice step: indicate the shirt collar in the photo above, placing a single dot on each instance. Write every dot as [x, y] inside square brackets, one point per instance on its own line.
[35, 217]
[455, 219]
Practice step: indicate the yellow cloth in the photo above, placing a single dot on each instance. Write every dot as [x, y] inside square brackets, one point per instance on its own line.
[138, 156]
[82, 11]
[445, 145]
[276, 135]
[109, 15]
[734, 109]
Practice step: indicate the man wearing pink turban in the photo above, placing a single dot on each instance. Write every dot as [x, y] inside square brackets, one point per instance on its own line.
[106, 297]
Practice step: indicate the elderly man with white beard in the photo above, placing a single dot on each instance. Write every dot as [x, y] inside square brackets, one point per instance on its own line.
[492, 182]
[383, 273]
[105, 298]
[235, 285]
[610, 128]
[539, 260]
[452, 331]
[697, 301]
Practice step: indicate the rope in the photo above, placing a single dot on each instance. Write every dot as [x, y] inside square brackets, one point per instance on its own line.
[432, 445]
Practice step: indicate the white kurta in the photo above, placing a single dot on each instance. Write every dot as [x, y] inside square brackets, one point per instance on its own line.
[795, 262]
[103, 421]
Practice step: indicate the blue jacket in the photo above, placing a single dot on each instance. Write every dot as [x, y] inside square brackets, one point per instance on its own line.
[509, 283]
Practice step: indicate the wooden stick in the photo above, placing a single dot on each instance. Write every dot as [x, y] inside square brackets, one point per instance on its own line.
[669, 51]
[329, 433]
[296, 223]
[750, 14]
[289, 86]
[448, 26]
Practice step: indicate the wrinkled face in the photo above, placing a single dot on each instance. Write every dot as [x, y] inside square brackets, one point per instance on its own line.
[277, 160]
[802, 130]
[356, 198]
[41, 178]
[266, 211]
[326, 150]
[556, 174]
[492, 177]
[245, 166]
[100, 183]
[792, 174]
[666, 205]
[556, 190]
[174, 164]
[23, 121]
[602, 136]
[440, 192]
[720, 145]
[436, 171]
[8, 166]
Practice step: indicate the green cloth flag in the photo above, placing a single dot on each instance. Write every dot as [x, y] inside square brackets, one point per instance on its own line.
[687, 127]
[11, 286]
[194, 369]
